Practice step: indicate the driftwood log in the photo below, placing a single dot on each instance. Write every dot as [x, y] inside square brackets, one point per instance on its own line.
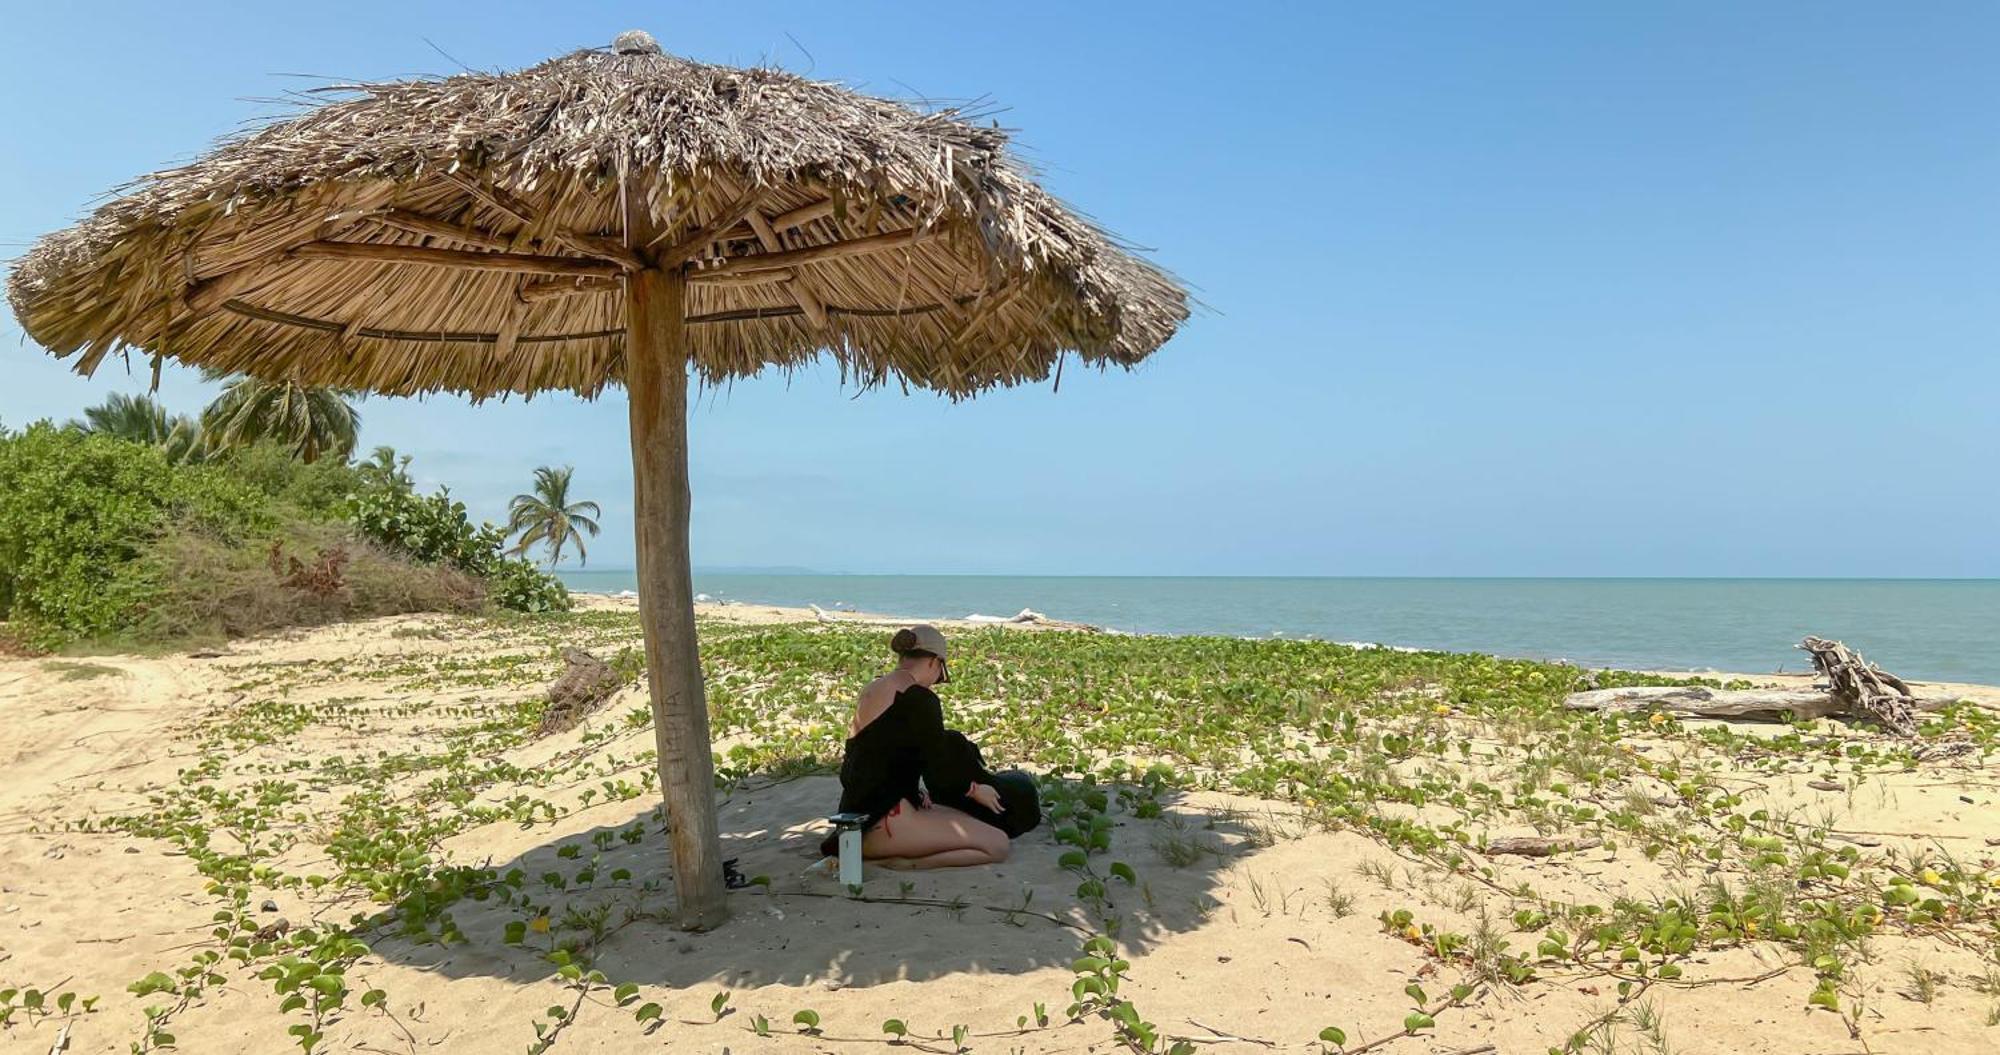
[1862, 686]
[585, 684]
[1853, 687]
[1755, 705]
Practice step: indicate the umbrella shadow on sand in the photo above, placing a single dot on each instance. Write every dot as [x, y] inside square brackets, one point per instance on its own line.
[805, 929]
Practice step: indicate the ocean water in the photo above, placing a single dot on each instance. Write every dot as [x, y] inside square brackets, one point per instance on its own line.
[1933, 629]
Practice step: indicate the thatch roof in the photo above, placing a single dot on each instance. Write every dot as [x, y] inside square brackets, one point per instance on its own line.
[973, 275]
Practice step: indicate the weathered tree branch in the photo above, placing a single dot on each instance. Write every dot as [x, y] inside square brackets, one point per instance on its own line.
[1764, 705]
[821, 253]
[422, 256]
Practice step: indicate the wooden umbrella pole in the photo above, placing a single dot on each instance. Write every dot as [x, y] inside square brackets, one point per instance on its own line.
[656, 363]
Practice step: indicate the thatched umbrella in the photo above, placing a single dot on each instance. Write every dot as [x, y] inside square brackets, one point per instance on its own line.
[614, 215]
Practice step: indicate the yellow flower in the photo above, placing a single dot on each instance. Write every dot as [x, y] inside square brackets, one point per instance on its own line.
[1658, 718]
[540, 924]
[1930, 877]
[1411, 932]
[1749, 926]
[1993, 880]
[1442, 710]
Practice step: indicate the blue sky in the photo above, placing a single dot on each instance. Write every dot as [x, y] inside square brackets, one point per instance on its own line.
[1497, 289]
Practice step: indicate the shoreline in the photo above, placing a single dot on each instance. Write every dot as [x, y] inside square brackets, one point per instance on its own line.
[752, 614]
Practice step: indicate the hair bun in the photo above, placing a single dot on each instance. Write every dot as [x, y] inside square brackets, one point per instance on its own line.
[904, 641]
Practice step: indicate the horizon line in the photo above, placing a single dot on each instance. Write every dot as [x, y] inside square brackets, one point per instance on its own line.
[813, 574]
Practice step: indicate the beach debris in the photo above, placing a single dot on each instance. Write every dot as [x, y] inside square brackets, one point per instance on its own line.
[1851, 687]
[585, 684]
[1539, 846]
[821, 868]
[1030, 617]
[324, 576]
[1024, 616]
[1863, 687]
[1756, 705]
[1699, 701]
[1232, 1037]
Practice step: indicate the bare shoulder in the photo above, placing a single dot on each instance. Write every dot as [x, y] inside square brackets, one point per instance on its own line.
[879, 691]
[876, 698]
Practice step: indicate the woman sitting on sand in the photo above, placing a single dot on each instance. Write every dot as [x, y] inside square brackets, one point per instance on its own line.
[898, 737]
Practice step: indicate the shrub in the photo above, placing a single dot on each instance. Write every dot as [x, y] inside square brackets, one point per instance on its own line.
[517, 585]
[76, 508]
[106, 538]
[431, 528]
[191, 586]
[435, 529]
[318, 490]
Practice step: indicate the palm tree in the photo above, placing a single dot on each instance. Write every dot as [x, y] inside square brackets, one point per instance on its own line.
[385, 470]
[138, 419]
[548, 516]
[310, 422]
[141, 419]
[185, 444]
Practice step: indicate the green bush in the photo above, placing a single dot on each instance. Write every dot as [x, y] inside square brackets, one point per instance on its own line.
[432, 528]
[435, 529]
[318, 490]
[77, 508]
[517, 585]
[105, 538]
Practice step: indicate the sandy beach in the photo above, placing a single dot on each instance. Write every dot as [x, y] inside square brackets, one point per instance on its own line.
[1424, 423]
[1252, 925]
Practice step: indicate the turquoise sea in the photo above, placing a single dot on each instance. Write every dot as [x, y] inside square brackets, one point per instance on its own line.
[1935, 629]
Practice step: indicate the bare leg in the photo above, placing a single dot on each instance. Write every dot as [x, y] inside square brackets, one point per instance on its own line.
[947, 859]
[938, 837]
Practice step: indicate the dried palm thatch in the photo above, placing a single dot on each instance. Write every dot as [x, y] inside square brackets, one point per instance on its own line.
[467, 234]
